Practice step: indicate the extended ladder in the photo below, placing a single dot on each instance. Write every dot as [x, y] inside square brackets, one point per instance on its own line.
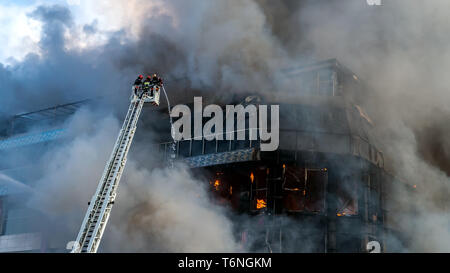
[99, 209]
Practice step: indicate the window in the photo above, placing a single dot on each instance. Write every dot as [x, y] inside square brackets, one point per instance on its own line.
[184, 148]
[317, 82]
[304, 189]
[347, 196]
[210, 146]
[18, 220]
[258, 188]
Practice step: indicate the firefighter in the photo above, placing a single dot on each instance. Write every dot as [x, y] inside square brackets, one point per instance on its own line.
[156, 80]
[138, 84]
[147, 85]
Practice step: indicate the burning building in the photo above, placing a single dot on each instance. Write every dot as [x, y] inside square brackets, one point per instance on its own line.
[325, 189]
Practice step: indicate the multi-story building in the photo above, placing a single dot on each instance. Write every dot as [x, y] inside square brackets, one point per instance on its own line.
[325, 189]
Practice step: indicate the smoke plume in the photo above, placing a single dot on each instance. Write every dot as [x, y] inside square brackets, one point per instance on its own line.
[399, 49]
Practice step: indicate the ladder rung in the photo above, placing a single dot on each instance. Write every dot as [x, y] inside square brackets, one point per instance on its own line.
[114, 167]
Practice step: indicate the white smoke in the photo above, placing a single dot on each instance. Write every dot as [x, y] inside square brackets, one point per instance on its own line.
[400, 49]
[156, 209]
[167, 210]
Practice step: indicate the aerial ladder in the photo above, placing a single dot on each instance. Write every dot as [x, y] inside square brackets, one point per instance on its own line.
[99, 210]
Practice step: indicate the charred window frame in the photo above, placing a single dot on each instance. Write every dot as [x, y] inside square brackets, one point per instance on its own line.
[347, 196]
[227, 188]
[374, 198]
[304, 189]
[258, 189]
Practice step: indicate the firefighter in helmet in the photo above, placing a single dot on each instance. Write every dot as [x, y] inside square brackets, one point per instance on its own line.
[147, 84]
[156, 80]
[138, 84]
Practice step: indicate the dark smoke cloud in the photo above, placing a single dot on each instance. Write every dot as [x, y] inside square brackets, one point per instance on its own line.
[400, 50]
[218, 48]
[60, 75]
[57, 75]
[55, 19]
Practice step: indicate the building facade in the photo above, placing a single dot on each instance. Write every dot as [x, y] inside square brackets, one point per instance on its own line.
[325, 189]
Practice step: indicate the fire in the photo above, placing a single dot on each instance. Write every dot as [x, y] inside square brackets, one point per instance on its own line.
[341, 214]
[252, 177]
[231, 190]
[260, 203]
[217, 184]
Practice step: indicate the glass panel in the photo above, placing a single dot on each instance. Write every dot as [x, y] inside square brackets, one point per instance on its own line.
[210, 147]
[184, 147]
[223, 146]
[197, 147]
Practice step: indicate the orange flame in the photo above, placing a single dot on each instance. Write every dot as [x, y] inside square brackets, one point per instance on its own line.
[217, 184]
[260, 203]
[252, 177]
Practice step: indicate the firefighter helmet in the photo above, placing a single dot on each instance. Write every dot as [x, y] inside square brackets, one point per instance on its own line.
[140, 76]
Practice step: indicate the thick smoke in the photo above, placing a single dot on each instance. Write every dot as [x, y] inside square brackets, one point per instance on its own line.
[206, 46]
[176, 215]
[160, 210]
[60, 75]
[217, 47]
[400, 50]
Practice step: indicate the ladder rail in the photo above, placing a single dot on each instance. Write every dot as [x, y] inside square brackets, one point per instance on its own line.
[105, 198]
[107, 205]
[90, 212]
[99, 209]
